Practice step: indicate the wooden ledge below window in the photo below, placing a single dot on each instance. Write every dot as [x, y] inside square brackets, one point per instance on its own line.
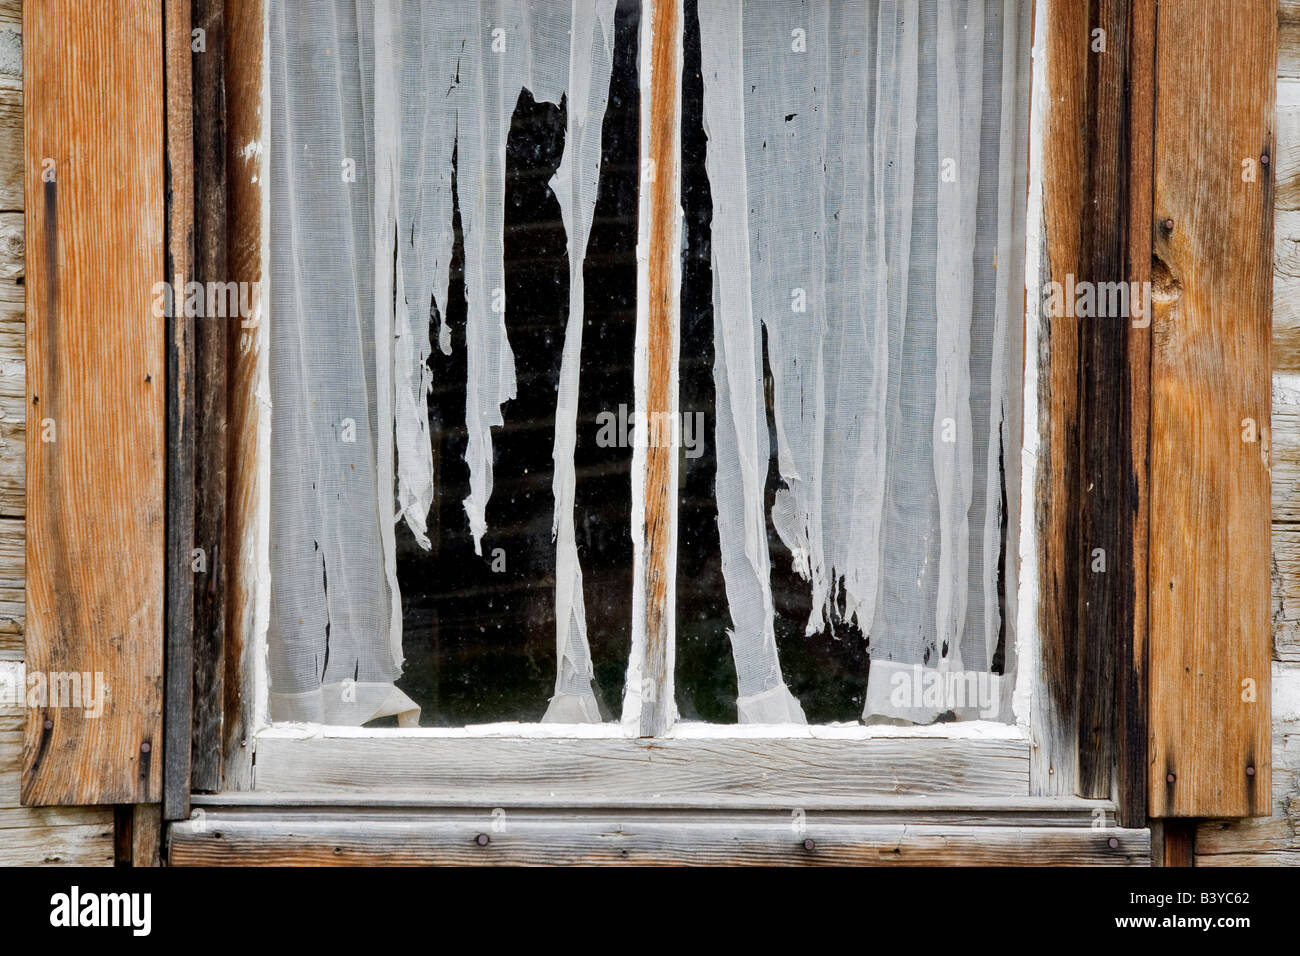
[285, 829]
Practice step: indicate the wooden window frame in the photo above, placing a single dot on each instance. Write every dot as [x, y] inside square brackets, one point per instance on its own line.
[1097, 443]
[1009, 766]
[995, 758]
[1042, 756]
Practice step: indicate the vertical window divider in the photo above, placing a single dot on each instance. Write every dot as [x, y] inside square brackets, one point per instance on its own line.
[648, 703]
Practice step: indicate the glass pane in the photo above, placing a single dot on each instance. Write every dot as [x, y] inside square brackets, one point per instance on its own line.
[439, 487]
[854, 181]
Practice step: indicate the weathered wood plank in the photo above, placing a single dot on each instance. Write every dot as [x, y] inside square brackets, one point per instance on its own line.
[85, 844]
[658, 291]
[178, 578]
[1286, 254]
[146, 834]
[1060, 103]
[16, 818]
[1286, 593]
[1286, 447]
[516, 768]
[1288, 61]
[248, 417]
[1106, 476]
[211, 358]
[1250, 842]
[1215, 72]
[13, 369]
[11, 136]
[96, 382]
[272, 839]
[13, 600]
[1131, 658]
[888, 808]
[37, 835]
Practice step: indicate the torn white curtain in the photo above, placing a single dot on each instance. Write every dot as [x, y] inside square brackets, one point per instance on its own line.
[370, 100]
[865, 160]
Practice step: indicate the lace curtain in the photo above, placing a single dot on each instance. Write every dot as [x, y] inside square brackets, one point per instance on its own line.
[866, 162]
[369, 100]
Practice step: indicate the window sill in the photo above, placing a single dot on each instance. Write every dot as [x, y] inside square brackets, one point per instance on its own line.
[404, 829]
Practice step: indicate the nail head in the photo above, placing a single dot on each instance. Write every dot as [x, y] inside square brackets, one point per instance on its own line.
[482, 839]
[1250, 771]
[49, 724]
[145, 747]
[1170, 778]
[1113, 843]
[809, 844]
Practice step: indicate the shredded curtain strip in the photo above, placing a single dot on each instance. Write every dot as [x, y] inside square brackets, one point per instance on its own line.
[866, 161]
[372, 101]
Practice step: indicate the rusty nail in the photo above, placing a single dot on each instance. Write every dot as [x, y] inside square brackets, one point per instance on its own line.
[1250, 771]
[810, 844]
[1170, 778]
[482, 839]
[1113, 843]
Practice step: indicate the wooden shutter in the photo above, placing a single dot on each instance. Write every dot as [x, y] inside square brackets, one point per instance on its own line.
[96, 378]
[1209, 662]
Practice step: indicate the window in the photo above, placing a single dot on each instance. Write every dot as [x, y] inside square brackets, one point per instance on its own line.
[453, 340]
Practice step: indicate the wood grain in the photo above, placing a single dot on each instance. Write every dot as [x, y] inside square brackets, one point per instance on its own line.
[1062, 179]
[11, 138]
[1173, 843]
[1209, 628]
[1273, 840]
[1104, 483]
[1087, 494]
[1286, 281]
[211, 358]
[96, 376]
[146, 834]
[1286, 593]
[79, 844]
[41, 836]
[13, 365]
[246, 414]
[662, 295]
[178, 655]
[514, 768]
[1131, 659]
[951, 809]
[289, 838]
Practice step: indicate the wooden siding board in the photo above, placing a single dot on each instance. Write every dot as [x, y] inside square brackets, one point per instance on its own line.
[34, 836]
[1091, 487]
[290, 839]
[1131, 660]
[96, 372]
[1210, 372]
[211, 358]
[245, 22]
[1104, 485]
[178, 575]
[1225, 842]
